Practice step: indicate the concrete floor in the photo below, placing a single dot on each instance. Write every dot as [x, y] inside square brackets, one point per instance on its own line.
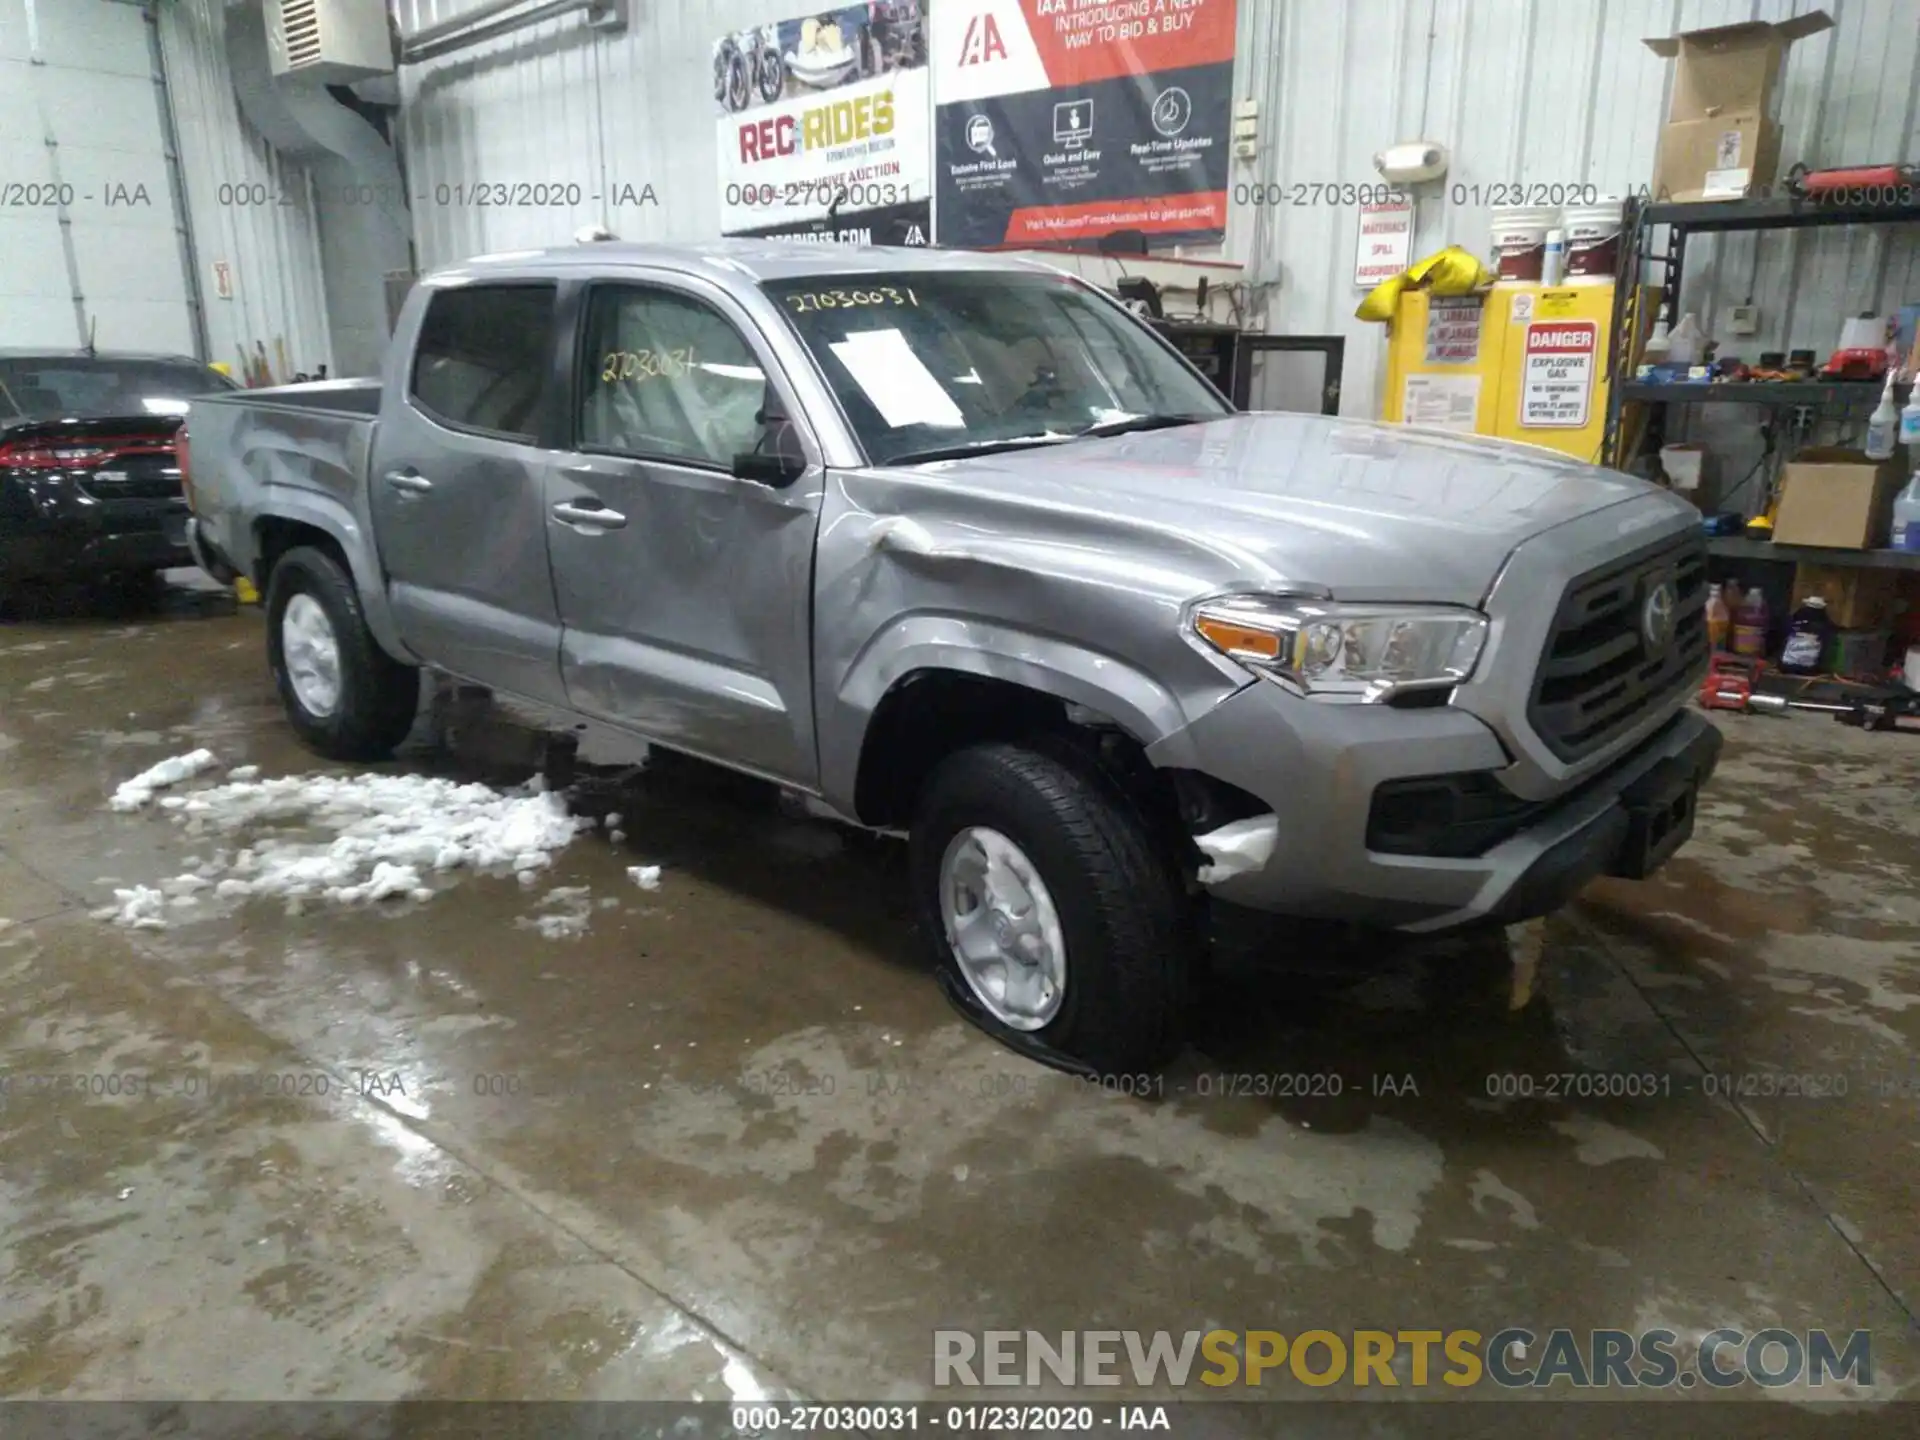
[647, 1216]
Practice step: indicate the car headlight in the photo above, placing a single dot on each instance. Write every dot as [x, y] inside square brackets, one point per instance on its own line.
[1351, 652]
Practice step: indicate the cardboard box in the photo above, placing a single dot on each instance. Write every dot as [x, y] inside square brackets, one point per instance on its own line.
[1837, 498]
[1716, 159]
[1723, 120]
[1856, 599]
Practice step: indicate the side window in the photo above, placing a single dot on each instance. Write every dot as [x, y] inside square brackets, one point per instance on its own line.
[668, 377]
[482, 357]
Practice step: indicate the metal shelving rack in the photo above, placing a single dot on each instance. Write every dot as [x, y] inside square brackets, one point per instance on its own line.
[1682, 219]
[1828, 398]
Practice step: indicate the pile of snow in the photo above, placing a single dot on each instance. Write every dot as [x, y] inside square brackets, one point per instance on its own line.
[139, 790]
[343, 839]
[142, 907]
[647, 877]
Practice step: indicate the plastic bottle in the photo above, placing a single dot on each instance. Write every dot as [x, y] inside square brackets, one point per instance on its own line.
[1910, 422]
[1687, 345]
[1906, 517]
[1553, 264]
[1809, 634]
[1750, 624]
[1719, 618]
[1732, 593]
[1883, 427]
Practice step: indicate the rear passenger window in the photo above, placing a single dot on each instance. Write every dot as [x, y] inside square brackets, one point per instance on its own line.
[482, 358]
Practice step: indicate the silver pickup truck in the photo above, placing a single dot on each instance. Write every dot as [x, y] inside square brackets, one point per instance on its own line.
[955, 546]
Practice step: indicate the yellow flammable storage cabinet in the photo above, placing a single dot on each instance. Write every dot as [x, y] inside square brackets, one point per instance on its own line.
[1523, 361]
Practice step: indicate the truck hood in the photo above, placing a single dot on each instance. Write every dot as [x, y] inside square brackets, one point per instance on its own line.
[1365, 510]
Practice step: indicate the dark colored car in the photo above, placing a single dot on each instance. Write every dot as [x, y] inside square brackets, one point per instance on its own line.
[90, 475]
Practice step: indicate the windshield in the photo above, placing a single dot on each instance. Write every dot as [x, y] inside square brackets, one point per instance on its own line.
[80, 387]
[927, 364]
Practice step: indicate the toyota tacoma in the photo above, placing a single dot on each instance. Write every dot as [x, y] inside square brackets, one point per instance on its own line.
[955, 546]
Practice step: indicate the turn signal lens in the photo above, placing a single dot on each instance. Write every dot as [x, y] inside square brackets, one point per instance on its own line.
[1235, 639]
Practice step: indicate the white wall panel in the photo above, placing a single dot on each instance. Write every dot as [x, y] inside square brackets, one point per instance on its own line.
[1521, 91]
[561, 104]
[79, 108]
[251, 208]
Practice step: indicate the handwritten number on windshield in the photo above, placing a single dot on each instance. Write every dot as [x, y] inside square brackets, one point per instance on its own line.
[806, 300]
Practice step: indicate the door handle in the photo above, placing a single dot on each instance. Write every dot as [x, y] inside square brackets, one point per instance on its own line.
[594, 514]
[408, 483]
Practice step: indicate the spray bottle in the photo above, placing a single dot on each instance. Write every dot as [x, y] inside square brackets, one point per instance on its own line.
[1883, 427]
[1910, 421]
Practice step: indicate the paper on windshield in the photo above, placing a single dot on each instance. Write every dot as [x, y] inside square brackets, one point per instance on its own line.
[895, 379]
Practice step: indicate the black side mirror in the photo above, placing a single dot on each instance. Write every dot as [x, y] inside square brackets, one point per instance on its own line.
[775, 471]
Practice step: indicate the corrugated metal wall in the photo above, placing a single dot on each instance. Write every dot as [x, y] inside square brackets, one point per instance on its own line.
[251, 208]
[1520, 91]
[1557, 93]
[563, 106]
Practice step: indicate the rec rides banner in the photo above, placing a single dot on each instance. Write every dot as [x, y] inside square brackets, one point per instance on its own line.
[823, 126]
[1060, 121]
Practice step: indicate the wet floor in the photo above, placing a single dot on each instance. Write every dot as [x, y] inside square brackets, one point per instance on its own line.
[723, 1138]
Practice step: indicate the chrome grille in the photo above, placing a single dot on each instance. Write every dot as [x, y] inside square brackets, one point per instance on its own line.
[1600, 673]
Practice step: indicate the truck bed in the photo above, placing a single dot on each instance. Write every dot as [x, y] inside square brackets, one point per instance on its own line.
[278, 451]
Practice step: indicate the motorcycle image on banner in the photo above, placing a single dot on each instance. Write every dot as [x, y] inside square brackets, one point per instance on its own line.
[823, 126]
[1061, 121]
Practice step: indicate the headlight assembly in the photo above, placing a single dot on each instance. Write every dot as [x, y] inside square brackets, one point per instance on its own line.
[1334, 651]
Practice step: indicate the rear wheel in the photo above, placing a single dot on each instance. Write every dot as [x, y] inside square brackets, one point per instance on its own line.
[1057, 923]
[347, 698]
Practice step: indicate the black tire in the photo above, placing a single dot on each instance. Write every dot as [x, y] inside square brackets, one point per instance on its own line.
[1130, 939]
[379, 696]
[772, 76]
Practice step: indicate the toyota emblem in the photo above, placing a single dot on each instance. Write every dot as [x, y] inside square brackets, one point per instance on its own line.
[1656, 617]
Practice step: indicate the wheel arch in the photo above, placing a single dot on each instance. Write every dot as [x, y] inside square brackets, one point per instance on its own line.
[944, 684]
[302, 519]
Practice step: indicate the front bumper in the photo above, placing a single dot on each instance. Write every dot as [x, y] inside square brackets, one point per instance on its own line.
[1317, 766]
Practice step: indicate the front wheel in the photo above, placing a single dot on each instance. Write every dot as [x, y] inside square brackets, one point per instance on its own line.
[772, 76]
[347, 698]
[1056, 922]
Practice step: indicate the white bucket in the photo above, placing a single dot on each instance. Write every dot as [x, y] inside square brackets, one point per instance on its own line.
[1593, 240]
[1683, 464]
[1520, 239]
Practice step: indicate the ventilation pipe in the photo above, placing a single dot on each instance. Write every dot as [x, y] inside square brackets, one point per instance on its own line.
[495, 18]
[349, 160]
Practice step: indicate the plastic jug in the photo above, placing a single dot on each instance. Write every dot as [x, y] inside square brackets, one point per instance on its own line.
[1750, 624]
[1687, 345]
[1809, 634]
[1906, 516]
